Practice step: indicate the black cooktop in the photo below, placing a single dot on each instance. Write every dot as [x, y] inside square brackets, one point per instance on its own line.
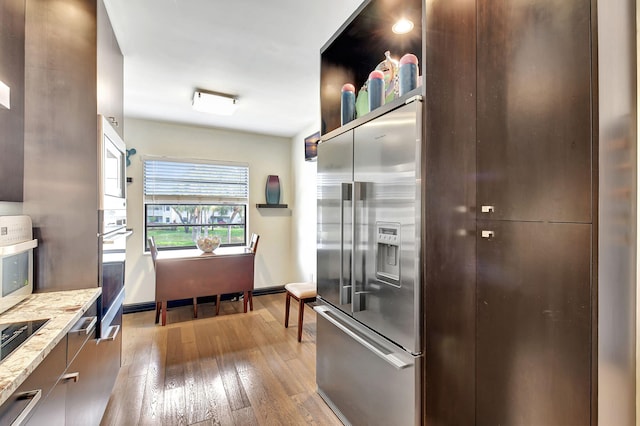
[16, 333]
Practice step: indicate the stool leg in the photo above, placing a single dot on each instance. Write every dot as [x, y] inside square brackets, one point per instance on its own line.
[157, 312]
[195, 307]
[164, 312]
[251, 300]
[300, 315]
[286, 310]
[218, 297]
[245, 299]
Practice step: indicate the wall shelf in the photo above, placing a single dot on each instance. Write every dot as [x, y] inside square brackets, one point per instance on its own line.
[272, 206]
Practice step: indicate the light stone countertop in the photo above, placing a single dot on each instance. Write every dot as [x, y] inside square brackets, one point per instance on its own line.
[64, 309]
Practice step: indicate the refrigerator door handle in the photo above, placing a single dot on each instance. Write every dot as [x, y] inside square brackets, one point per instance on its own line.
[357, 281]
[391, 357]
[345, 282]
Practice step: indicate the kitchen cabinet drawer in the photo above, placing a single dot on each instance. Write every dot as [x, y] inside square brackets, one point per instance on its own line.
[43, 380]
[48, 372]
[80, 333]
[344, 366]
[82, 406]
[109, 359]
[51, 410]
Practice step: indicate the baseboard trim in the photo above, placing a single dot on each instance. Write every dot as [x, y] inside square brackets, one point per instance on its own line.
[151, 306]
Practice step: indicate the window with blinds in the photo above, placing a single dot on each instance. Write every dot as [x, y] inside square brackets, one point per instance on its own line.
[174, 180]
[187, 199]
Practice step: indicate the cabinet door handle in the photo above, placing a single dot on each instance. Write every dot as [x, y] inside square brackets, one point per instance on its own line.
[487, 234]
[487, 209]
[34, 396]
[70, 377]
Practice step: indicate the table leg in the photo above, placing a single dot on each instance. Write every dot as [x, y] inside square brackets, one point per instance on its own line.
[245, 300]
[195, 307]
[218, 297]
[157, 312]
[251, 300]
[164, 312]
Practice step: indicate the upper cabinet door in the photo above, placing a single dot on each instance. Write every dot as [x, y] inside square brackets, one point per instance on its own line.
[12, 119]
[110, 72]
[534, 110]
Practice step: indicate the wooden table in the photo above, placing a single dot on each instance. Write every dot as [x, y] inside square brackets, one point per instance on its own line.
[183, 274]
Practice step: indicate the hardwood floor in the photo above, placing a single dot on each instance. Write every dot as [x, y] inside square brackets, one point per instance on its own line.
[231, 369]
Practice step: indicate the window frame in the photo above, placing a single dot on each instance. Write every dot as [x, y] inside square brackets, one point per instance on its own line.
[167, 202]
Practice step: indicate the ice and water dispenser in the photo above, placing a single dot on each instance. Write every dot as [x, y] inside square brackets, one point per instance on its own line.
[388, 252]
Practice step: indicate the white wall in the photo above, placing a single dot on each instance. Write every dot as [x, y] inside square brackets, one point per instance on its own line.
[266, 155]
[303, 227]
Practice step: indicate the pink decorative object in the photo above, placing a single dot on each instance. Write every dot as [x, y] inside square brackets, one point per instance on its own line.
[347, 103]
[408, 73]
[376, 89]
[376, 74]
[409, 58]
[349, 88]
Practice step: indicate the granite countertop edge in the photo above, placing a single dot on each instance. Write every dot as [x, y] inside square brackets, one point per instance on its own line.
[63, 309]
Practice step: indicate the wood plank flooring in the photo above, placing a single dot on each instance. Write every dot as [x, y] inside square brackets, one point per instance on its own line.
[231, 369]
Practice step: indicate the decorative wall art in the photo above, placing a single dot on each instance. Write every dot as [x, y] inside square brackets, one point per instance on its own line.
[311, 147]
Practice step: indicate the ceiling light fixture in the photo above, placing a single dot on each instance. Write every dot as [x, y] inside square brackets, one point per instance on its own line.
[403, 26]
[214, 103]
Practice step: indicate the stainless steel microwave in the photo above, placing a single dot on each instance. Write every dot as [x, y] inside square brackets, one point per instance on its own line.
[16, 260]
[112, 156]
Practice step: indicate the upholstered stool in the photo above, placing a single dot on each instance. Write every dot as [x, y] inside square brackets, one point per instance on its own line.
[302, 292]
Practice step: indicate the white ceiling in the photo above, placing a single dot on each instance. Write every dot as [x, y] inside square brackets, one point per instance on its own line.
[267, 52]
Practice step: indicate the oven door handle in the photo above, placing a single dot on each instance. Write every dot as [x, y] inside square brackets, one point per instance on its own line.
[111, 334]
[18, 248]
[111, 239]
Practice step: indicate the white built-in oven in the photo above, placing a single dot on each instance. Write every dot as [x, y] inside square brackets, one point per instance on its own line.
[112, 218]
[16, 259]
[112, 159]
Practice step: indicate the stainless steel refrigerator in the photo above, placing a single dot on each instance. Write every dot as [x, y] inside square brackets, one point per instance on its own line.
[369, 334]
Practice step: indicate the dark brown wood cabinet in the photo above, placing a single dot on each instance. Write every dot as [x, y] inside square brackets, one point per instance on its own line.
[534, 110]
[449, 215]
[69, 47]
[535, 186]
[12, 36]
[110, 68]
[533, 323]
[61, 127]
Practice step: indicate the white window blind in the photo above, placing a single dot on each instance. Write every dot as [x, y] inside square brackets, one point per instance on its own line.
[167, 180]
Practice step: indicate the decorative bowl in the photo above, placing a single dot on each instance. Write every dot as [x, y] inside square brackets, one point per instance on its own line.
[208, 244]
